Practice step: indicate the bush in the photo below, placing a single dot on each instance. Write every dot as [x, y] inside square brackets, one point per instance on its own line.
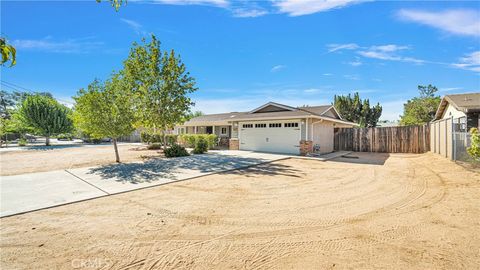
[176, 151]
[474, 149]
[22, 142]
[65, 137]
[190, 140]
[158, 138]
[154, 146]
[201, 145]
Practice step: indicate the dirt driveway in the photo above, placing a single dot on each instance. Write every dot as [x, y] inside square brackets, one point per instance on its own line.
[378, 211]
[68, 156]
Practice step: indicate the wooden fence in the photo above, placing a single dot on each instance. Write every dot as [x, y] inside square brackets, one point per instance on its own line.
[409, 139]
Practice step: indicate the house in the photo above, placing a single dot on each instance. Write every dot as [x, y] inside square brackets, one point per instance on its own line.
[465, 107]
[272, 127]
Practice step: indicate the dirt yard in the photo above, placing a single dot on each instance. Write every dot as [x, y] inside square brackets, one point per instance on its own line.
[378, 211]
[67, 157]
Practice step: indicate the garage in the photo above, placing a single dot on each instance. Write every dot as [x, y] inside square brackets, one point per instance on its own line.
[272, 136]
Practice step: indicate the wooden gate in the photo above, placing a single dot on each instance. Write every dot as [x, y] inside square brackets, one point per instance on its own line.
[408, 139]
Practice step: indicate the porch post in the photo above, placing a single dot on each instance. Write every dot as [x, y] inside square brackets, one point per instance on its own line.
[195, 129]
[213, 130]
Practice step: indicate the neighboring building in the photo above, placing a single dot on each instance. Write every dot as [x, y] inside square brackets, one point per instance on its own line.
[387, 123]
[272, 127]
[465, 106]
[455, 116]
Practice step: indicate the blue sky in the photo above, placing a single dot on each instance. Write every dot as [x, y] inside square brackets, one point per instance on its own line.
[246, 53]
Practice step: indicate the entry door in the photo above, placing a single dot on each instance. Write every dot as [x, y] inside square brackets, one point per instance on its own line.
[275, 137]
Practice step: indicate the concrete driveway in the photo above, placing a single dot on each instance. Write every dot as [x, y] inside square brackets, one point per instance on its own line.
[28, 192]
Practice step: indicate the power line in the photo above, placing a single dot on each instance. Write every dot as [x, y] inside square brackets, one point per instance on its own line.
[19, 88]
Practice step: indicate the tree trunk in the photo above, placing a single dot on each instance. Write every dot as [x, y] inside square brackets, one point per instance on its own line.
[117, 157]
[164, 141]
[47, 140]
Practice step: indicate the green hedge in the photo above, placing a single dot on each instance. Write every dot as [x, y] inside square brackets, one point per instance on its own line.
[190, 140]
[158, 138]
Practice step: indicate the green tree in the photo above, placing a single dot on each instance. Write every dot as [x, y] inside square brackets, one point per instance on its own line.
[356, 110]
[9, 54]
[421, 110]
[46, 116]
[105, 110]
[191, 115]
[474, 149]
[115, 3]
[161, 85]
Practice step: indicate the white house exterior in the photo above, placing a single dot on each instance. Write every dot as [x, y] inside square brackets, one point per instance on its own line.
[272, 127]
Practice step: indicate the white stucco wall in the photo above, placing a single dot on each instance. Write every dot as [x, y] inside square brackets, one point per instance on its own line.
[451, 111]
[322, 133]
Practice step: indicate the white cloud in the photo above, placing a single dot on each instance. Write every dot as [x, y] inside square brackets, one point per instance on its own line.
[277, 68]
[470, 61]
[456, 21]
[305, 7]
[218, 3]
[248, 13]
[338, 47]
[388, 52]
[82, 45]
[312, 90]
[356, 62]
[449, 89]
[327, 74]
[353, 77]
[135, 26]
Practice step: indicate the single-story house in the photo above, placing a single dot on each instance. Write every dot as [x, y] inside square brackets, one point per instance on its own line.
[465, 107]
[272, 127]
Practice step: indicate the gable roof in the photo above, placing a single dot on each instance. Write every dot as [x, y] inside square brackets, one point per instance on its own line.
[468, 102]
[279, 108]
[284, 112]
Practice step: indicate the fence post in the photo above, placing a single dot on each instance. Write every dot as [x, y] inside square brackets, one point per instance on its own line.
[454, 142]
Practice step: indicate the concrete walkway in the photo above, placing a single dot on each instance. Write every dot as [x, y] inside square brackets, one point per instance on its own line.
[28, 192]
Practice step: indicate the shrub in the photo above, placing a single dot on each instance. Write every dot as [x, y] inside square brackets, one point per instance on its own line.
[22, 142]
[158, 138]
[201, 145]
[145, 137]
[474, 149]
[176, 151]
[190, 140]
[154, 146]
[65, 137]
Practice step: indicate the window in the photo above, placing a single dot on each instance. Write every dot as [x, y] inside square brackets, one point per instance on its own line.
[275, 125]
[290, 125]
[181, 130]
[260, 125]
[247, 125]
[223, 131]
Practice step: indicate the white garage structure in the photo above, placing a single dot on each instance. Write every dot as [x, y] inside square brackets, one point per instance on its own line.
[274, 128]
[270, 136]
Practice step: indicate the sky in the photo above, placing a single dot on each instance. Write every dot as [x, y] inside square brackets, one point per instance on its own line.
[246, 53]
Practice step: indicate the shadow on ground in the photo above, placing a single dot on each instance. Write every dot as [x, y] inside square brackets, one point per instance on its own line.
[363, 158]
[267, 169]
[157, 168]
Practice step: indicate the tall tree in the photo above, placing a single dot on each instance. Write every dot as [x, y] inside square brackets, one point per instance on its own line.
[161, 85]
[356, 110]
[115, 3]
[9, 54]
[105, 110]
[46, 116]
[421, 110]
